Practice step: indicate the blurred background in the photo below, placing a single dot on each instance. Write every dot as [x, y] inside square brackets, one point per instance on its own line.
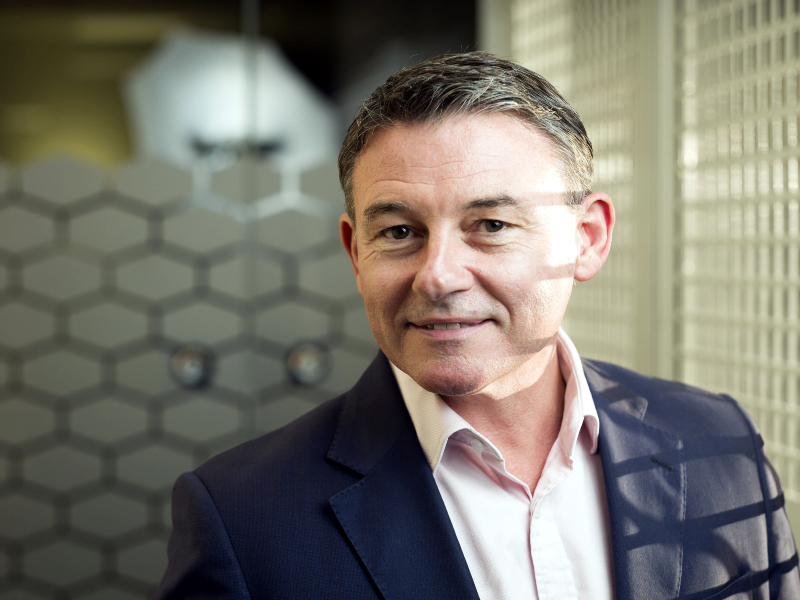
[171, 280]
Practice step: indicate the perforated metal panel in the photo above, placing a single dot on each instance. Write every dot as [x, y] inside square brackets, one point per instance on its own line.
[588, 50]
[723, 256]
[739, 238]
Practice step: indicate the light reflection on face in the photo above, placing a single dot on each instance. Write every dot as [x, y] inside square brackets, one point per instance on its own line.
[464, 250]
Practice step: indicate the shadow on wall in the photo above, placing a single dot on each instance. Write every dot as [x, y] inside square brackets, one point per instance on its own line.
[101, 278]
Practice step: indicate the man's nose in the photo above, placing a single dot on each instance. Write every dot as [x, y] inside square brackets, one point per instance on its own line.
[444, 268]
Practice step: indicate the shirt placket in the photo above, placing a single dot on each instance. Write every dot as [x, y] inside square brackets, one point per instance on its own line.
[551, 567]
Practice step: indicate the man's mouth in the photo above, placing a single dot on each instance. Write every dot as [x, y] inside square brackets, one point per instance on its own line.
[443, 326]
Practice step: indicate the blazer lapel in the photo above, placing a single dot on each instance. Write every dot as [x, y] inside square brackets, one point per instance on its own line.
[645, 482]
[394, 516]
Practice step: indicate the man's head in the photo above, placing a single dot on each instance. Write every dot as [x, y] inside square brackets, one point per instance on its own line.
[465, 250]
[472, 83]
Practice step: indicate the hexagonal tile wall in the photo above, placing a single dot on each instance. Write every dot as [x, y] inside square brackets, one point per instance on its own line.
[293, 231]
[246, 181]
[21, 229]
[154, 277]
[108, 230]
[61, 180]
[109, 420]
[21, 421]
[61, 373]
[201, 231]
[98, 286]
[108, 325]
[61, 277]
[109, 515]
[22, 325]
[153, 182]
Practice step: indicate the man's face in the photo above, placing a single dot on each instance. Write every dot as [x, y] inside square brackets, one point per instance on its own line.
[464, 249]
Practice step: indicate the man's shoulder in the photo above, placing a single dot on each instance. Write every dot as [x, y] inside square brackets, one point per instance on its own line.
[679, 408]
[308, 449]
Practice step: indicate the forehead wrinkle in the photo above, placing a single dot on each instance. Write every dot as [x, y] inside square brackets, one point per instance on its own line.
[432, 182]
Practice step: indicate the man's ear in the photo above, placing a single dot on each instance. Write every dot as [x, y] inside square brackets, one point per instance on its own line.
[595, 225]
[347, 230]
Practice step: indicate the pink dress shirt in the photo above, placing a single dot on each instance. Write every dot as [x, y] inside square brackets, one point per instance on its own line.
[549, 544]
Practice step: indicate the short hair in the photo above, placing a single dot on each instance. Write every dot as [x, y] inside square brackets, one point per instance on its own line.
[451, 85]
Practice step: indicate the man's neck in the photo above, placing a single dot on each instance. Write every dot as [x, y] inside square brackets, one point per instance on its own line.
[523, 421]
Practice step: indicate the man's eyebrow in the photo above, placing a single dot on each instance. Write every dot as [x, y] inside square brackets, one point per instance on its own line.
[493, 202]
[379, 209]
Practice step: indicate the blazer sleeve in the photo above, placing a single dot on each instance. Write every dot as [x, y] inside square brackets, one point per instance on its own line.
[784, 579]
[202, 562]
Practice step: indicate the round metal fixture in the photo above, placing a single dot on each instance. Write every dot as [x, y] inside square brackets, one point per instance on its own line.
[192, 366]
[308, 363]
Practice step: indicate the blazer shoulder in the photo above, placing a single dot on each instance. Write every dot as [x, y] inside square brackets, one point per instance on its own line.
[679, 408]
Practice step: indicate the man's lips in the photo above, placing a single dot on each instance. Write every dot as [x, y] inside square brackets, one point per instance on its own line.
[447, 324]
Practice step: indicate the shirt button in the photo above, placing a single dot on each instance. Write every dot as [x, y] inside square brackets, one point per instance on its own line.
[477, 445]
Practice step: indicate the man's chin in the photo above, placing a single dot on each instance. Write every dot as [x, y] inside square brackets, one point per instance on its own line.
[459, 382]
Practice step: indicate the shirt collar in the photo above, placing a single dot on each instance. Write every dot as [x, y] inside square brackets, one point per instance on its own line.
[435, 421]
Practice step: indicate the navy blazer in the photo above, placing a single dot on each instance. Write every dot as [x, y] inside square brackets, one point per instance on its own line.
[342, 504]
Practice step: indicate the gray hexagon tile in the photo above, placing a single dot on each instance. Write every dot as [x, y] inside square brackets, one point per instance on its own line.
[3, 277]
[203, 323]
[291, 323]
[111, 593]
[61, 372]
[153, 181]
[154, 467]
[5, 176]
[61, 180]
[21, 516]
[247, 180]
[346, 368]
[21, 421]
[246, 372]
[323, 182]
[155, 277]
[108, 325]
[201, 419]
[147, 372]
[18, 594]
[61, 277]
[62, 468]
[281, 412]
[3, 565]
[356, 325]
[21, 229]
[108, 420]
[22, 325]
[331, 276]
[243, 277]
[108, 230]
[146, 562]
[292, 231]
[62, 563]
[3, 469]
[109, 515]
[201, 230]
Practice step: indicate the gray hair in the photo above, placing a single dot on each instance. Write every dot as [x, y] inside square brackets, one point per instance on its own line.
[451, 85]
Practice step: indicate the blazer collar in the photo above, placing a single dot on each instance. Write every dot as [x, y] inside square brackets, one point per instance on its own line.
[645, 481]
[394, 515]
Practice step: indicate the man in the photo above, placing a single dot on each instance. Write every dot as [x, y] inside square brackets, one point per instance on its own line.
[478, 456]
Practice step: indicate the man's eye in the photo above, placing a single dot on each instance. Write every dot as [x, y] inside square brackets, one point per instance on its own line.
[398, 232]
[493, 226]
